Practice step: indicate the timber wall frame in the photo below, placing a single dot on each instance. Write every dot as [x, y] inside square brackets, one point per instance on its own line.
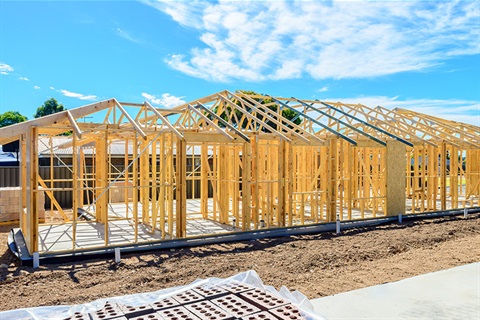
[255, 169]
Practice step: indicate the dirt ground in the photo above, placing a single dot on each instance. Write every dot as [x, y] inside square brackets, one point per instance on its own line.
[316, 265]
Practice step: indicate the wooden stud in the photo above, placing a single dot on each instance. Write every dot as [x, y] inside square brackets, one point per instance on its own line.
[154, 186]
[236, 182]
[171, 184]
[163, 183]
[204, 165]
[135, 187]
[255, 177]
[76, 188]
[127, 178]
[246, 186]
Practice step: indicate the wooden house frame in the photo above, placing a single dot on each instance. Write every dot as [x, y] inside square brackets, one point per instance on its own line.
[255, 169]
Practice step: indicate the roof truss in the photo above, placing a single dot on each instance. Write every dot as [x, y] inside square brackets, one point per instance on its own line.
[235, 117]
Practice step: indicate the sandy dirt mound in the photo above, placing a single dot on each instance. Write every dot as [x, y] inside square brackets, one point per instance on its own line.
[316, 265]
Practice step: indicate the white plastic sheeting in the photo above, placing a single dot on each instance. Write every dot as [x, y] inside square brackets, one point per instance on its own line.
[250, 277]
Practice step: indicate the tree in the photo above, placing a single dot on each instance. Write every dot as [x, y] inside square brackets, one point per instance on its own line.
[49, 107]
[6, 119]
[11, 117]
[268, 102]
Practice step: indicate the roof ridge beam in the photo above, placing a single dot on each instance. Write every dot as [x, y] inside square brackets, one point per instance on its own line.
[205, 99]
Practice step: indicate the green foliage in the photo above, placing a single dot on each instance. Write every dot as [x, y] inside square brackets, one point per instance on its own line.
[11, 117]
[50, 106]
[268, 102]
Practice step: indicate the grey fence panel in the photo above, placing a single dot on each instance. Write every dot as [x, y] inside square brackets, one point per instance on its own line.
[9, 177]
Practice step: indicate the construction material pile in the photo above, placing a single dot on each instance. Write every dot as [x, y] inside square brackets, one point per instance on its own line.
[240, 297]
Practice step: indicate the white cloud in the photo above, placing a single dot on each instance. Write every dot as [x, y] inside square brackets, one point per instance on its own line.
[23, 78]
[259, 40]
[184, 12]
[467, 111]
[323, 89]
[166, 99]
[5, 68]
[80, 96]
[126, 35]
[36, 87]
[71, 94]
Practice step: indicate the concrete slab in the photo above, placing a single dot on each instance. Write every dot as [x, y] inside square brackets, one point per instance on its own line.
[447, 294]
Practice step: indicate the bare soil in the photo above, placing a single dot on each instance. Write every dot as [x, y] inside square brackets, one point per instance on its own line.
[316, 265]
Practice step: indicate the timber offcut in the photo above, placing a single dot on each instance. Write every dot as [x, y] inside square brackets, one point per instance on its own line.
[231, 162]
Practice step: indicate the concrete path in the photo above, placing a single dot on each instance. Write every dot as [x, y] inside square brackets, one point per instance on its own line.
[447, 294]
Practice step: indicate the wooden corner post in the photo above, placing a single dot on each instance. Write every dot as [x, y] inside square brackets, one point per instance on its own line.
[395, 182]
[181, 187]
[23, 183]
[31, 234]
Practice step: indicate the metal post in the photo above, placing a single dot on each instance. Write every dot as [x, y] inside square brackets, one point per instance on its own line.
[117, 255]
[338, 224]
[36, 260]
[262, 224]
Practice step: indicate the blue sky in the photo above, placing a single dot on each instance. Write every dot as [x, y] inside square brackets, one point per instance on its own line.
[420, 55]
